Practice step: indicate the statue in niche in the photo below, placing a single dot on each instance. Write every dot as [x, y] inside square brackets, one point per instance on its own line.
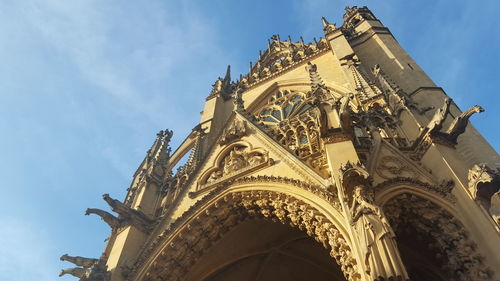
[79, 272]
[376, 237]
[79, 261]
[234, 161]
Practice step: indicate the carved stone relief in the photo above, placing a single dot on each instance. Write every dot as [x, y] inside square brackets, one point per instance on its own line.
[240, 160]
[484, 187]
[198, 230]
[393, 167]
[234, 132]
[456, 250]
[292, 120]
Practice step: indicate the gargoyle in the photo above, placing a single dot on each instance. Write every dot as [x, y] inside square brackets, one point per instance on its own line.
[132, 216]
[458, 125]
[79, 261]
[79, 272]
[108, 218]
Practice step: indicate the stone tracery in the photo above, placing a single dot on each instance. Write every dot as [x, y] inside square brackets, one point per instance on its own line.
[455, 250]
[295, 123]
[209, 225]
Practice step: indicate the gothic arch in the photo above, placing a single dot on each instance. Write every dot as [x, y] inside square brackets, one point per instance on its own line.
[217, 163]
[438, 237]
[185, 241]
[439, 195]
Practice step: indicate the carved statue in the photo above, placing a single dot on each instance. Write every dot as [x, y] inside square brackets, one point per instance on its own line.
[127, 214]
[217, 86]
[237, 130]
[79, 272]
[108, 218]
[460, 123]
[79, 261]
[484, 187]
[234, 161]
[214, 176]
[376, 238]
[116, 205]
[437, 120]
[345, 115]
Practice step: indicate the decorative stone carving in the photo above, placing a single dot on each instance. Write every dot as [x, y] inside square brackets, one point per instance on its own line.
[443, 190]
[456, 251]
[393, 167]
[294, 122]
[79, 261]
[397, 99]
[433, 133]
[153, 167]
[88, 270]
[484, 187]
[108, 218]
[129, 215]
[234, 132]
[279, 57]
[196, 234]
[79, 272]
[459, 124]
[376, 239]
[437, 120]
[239, 161]
[327, 27]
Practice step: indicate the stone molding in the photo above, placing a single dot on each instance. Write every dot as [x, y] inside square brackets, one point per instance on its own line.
[185, 240]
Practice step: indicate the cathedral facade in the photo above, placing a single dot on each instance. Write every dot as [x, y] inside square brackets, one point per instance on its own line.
[338, 159]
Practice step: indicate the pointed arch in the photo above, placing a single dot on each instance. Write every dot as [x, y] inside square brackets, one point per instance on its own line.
[430, 235]
[289, 202]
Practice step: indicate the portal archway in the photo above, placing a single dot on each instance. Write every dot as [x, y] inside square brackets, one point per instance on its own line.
[210, 219]
[433, 243]
[263, 250]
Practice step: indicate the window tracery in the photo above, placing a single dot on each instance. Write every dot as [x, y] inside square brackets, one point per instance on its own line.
[295, 123]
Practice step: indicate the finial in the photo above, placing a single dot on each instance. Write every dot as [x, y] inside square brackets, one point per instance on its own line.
[315, 41]
[325, 22]
[289, 39]
[301, 40]
[227, 78]
[251, 67]
[327, 27]
[260, 54]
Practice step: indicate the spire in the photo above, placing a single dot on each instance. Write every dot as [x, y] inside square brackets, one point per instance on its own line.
[160, 150]
[327, 27]
[364, 87]
[317, 83]
[227, 78]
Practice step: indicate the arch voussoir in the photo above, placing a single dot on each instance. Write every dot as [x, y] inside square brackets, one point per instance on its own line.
[206, 225]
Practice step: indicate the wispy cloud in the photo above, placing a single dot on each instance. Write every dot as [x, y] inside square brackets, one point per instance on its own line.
[154, 47]
[25, 248]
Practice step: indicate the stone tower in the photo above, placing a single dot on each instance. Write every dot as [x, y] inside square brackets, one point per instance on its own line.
[333, 160]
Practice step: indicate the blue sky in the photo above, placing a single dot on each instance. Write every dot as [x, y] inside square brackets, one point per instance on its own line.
[85, 86]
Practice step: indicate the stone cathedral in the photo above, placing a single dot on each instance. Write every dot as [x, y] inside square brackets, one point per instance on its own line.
[338, 159]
